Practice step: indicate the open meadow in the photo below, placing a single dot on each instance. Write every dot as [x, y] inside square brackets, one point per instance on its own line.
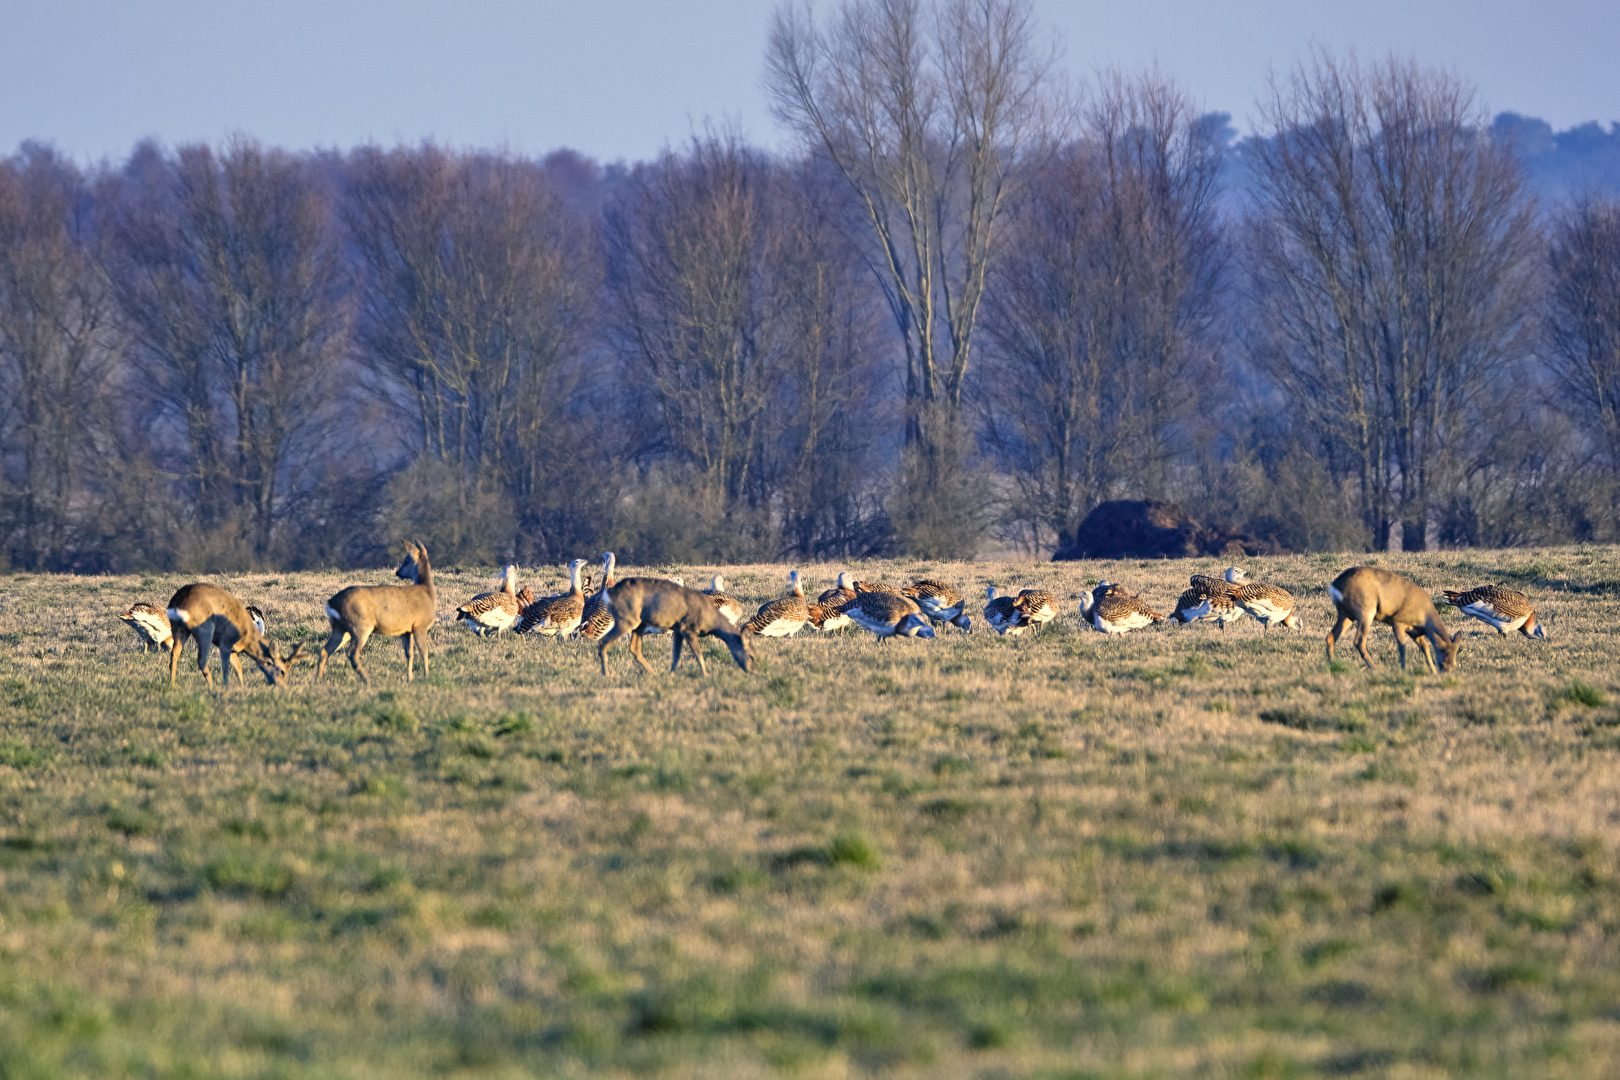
[1182, 851]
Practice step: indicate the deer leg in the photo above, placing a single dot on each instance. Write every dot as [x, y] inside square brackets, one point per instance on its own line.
[676, 649]
[421, 649]
[692, 647]
[1400, 642]
[205, 649]
[333, 644]
[1427, 648]
[1362, 626]
[635, 650]
[619, 630]
[236, 666]
[357, 641]
[175, 646]
[406, 640]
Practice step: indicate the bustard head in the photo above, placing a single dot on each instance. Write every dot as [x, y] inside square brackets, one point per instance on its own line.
[1236, 575]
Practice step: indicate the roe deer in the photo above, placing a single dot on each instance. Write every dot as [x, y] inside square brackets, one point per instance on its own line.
[1363, 594]
[216, 619]
[402, 611]
[643, 604]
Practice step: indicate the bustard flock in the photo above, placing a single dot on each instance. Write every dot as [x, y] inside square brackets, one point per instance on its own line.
[918, 609]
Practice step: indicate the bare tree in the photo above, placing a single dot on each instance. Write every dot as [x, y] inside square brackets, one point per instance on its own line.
[1392, 266]
[227, 269]
[931, 113]
[54, 316]
[1101, 323]
[475, 285]
[1584, 320]
[733, 301]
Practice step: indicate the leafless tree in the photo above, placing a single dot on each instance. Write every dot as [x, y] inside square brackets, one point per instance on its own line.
[54, 315]
[1101, 320]
[1392, 272]
[734, 303]
[931, 113]
[1584, 318]
[227, 270]
[475, 284]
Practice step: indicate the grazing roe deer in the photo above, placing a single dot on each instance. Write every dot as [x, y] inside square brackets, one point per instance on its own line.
[402, 611]
[1363, 594]
[216, 619]
[640, 605]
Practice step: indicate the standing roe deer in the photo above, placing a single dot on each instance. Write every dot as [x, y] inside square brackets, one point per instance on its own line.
[402, 611]
[215, 618]
[643, 604]
[1363, 594]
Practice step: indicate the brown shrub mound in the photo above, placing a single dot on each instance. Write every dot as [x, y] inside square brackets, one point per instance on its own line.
[1144, 529]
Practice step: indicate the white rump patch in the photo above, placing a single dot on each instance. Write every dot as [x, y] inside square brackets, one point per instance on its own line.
[332, 613]
[179, 615]
[1336, 594]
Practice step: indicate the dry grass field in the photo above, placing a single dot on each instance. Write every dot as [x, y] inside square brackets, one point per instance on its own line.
[1179, 852]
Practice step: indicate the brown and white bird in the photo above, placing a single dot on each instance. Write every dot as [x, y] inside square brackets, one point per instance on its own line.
[1267, 604]
[782, 617]
[876, 586]
[491, 612]
[841, 592]
[1500, 607]
[1207, 599]
[1040, 605]
[1118, 612]
[829, 615]
[258, 619]
[729, 606]
[940, 602]
[554, 616]
[597, 619]
[889, 615]
[1195, 605]
[151, 625]
[1004, 616]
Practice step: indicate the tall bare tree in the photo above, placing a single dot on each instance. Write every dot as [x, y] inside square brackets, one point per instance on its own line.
[227, 270]
[931, 112]
[1584, 320]
[1101, 322]
[54, 315]
[733, 301]
[1392, 266]
[475, 285]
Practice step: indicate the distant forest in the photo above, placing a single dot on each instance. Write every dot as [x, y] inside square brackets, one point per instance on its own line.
[967, 307]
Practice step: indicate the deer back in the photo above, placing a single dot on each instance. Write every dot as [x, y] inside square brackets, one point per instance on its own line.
[201, 604]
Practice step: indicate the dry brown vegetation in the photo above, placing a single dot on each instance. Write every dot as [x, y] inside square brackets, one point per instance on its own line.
[1179, 852]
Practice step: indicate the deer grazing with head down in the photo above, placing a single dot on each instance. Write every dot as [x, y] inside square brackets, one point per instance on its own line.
[216, 619]
[402, 611]
[640, 605]
[1365, 594]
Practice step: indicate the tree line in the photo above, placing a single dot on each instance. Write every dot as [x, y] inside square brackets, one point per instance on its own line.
[968, 306]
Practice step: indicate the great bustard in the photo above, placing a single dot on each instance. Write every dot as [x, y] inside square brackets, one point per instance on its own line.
[1040, 605]
[782, 617]
[729, 606]
[1207, 599]
[1117, 612]
[560, 614]
[597, 619]
[1499, 607]
[1003, 615]
[1267, 604]
[940, 602]
[151, 625]
[492, 612]
[889, 615]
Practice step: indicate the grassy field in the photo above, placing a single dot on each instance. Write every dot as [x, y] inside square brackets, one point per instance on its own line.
[1180, 852]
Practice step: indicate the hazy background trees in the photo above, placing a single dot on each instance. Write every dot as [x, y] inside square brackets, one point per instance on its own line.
[967, 307]
[1392, 262]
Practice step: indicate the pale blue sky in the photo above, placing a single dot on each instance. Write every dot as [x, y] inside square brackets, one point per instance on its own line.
[620, 78]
